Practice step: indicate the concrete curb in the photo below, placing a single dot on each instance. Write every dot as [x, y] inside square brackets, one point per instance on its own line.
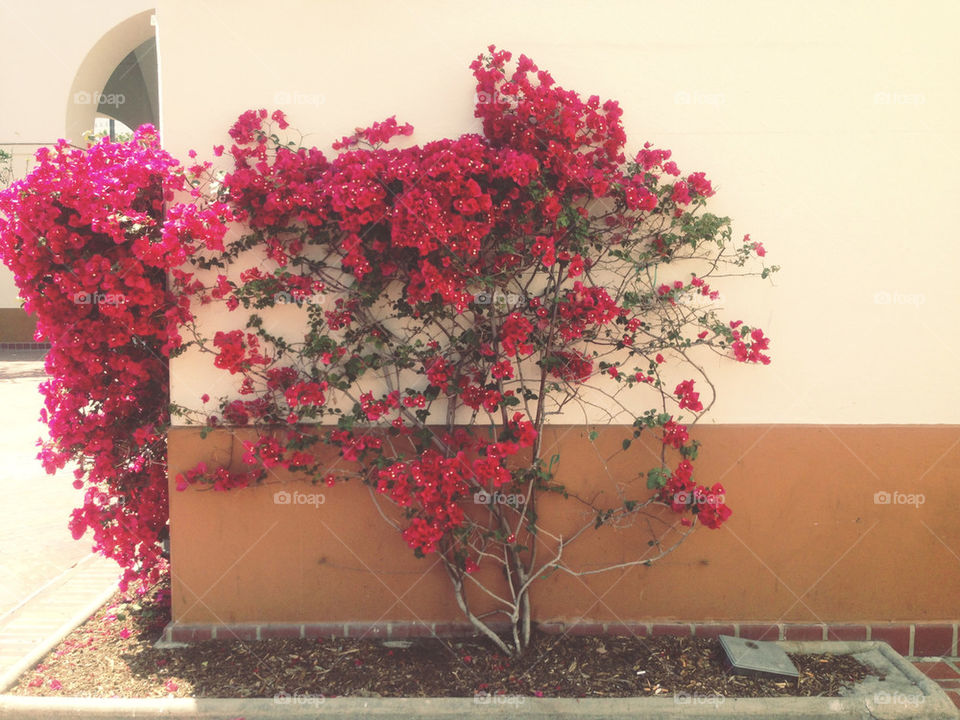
[10, 677]
[911, 695]
[460, 708]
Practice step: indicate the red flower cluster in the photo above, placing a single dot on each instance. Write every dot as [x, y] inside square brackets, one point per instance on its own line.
[432, 485]
[237, 353]
[752, 351]
[682, 494]
[220, 479]
[585, 307]
[85, 237]
[675, 434]
[688, 397]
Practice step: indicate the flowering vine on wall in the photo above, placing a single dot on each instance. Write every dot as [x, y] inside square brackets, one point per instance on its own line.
[450, 297]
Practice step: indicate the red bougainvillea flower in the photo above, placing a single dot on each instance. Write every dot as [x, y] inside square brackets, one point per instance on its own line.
[86, 238]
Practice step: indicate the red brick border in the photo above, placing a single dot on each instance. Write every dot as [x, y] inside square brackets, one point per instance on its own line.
[935, 639]
[908, 639]
[759, 631]
[804, 632]
[897, 636]
[24, 346]
[714, 631]
[847, 632]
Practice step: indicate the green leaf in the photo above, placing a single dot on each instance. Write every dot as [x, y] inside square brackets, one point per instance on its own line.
[554, 459]
[626, 443]
[657, 477]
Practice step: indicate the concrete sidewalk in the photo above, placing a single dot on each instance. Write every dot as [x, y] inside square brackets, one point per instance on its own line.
[53, 610]
[46, 577]
[35, 544]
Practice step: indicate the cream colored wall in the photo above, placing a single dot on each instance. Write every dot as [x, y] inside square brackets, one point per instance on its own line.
[828, 128]
[45, 44]
[50, 72]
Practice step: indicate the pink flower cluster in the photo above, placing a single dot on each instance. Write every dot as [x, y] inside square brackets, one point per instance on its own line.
[87, 241]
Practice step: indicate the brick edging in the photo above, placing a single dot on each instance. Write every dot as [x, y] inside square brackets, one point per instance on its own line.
[908, 639]
[24, 346]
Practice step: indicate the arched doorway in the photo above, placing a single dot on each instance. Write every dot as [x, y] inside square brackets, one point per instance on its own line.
[117, 80]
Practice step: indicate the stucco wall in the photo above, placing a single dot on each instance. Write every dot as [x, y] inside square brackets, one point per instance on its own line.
[829, 131]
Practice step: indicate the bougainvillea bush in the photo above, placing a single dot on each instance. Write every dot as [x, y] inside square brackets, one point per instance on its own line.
[86, 238]
[453, 297]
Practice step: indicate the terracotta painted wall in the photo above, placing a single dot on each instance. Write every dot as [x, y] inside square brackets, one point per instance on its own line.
[16, 325]
[807, 542]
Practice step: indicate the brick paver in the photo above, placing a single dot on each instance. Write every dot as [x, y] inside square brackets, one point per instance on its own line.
[945, 671]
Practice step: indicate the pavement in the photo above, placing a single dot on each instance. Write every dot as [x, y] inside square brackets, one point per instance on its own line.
[46, 577]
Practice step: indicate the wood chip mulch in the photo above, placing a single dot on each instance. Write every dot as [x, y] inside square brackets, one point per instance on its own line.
[112, 655]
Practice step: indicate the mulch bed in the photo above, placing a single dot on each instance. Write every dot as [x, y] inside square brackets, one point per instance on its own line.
[112, 655]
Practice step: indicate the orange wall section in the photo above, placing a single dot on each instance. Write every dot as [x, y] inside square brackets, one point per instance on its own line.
[808, 540]
[16, 325]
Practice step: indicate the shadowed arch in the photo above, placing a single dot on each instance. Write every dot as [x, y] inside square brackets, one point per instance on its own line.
[87, 91]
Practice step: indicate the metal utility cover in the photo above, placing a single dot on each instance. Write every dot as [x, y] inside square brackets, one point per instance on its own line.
[757, 656]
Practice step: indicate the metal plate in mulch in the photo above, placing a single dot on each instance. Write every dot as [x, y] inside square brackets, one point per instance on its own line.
[757, 656]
